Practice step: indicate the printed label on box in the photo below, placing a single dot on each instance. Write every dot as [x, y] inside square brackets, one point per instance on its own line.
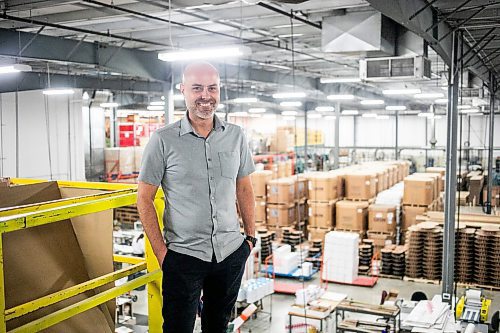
[390, 217]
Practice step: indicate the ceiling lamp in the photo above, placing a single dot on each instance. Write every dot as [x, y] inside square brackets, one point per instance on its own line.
[341, 97]
[325, 108]
[16, 68]
[257, 110]
[289, 113]
[58, 91]
[283, 95]
[395, 107]
[369, 115]
[350, 112]
[429, 95]
[240, 100]
[291, 103]
[407, 91]
[197, 54]
[372, 102]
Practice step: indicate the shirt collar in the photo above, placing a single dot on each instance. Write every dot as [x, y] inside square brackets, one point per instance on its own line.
[187, 128]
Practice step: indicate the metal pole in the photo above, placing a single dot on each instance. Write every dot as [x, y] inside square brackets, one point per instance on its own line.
[451, 176]
[305, 138]
[337, 137]
[396, 155]
[490, 146]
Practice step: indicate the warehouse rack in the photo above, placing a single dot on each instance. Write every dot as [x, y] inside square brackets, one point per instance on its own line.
[28, 216]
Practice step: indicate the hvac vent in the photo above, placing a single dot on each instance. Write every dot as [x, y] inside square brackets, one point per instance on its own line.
[407, 68]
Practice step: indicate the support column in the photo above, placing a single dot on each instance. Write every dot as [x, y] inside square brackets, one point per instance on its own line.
[305, 138]
[451, 176]
[336, 158]
[396, 146]
[490, 144]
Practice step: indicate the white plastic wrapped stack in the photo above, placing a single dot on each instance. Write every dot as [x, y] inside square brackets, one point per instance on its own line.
[284, 260]
[341, 256]
[304, 296]
[306, 269]
[255, 289]
[392, 196]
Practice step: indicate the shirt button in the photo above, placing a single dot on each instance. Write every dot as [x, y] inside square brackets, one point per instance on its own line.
[211, 178]
[209, 159]
[213, 198]
[214, 217]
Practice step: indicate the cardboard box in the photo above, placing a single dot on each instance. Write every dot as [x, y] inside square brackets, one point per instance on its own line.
[495, 196]
[259, 182]
[301, 210]
[437, 181]
[418, 191]
[410, 216]
[281, 215]
[361, 186]
[381, 184]
[317, 233]
[382, 218]
[260, 210]
[351, 215]
[476, 184]
[380, 239]
[321, 214]
[322, 186]
[281, 191]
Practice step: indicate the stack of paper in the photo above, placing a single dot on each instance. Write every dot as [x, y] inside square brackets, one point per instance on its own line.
[431, 316]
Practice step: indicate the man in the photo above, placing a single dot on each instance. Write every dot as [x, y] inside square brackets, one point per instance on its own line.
[203, 165]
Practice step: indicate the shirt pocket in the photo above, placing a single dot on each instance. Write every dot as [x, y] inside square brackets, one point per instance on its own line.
[229, 164]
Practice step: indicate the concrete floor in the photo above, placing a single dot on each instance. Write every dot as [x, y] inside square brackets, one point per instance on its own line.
[281, 303]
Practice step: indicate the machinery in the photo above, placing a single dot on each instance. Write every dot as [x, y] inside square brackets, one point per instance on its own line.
[473, 307]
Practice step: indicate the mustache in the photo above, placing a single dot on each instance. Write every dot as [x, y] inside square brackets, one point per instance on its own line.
[210, 100]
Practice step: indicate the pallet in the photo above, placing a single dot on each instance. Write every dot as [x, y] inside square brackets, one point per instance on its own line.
[386, 276]
[370, 201]
[479, 286]
[421, 280]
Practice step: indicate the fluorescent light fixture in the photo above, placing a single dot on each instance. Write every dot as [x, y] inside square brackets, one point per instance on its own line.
[85, 96]
[195, 23]
[441, 101]
[350, 112]
[289, 113]
[290, 35]
[178, 97]
[339, 79]
[274, 66]
[221, 106]
[372, 102]
[437, 117]
[246, 100]
[155, 108]
[254, 115]
[282, 95]
[369, 115]
[429, 95]
[198, 6]
[464, 107]
[257, 110]
[426, 114]
[297, 103]
[196, 54]
[110, 105]
[289, 118]
[395, 107]
[157, 103]
[16, 68]
[472, 110]
[314, 116]
[383, 117]
[269, 116]
[325, 108]
[401, 91]
[330, 117]
[287, 26]
[238, 114]
[341, 97]
[58, 91]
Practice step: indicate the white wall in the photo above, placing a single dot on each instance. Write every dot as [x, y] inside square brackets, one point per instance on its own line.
[46, 126]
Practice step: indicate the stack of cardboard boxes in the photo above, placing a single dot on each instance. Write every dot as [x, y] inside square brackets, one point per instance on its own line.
[281, 203]
[259, 182]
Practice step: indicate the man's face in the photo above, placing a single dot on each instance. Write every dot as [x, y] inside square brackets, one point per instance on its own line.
[201, 90]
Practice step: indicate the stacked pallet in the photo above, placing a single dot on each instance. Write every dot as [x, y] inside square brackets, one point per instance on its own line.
[365, 257]
[464, 255]
[315, 253]
[393, 261]
[415, 244]
[266, 239]
[292, 237]
[433, 251]
[487, 255]
[127, 216]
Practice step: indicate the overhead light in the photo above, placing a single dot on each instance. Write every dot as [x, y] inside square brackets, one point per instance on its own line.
[401, 91]
[157, 103]
[178, 97]
[274, 66]
[289, 118]
[426, 114]
[339, 79]
[464, 107]
[58, 91]
[221, 106]
[287, 26]
[290, 35]
[472, 110]
[325, 108]
[395, 107]
[85, 96]
[110, 105]
[254, 115]
[429, 95]
[197, 6]
[372, 102]
[314, 115]
[383, 117]
[16, 68]
[350, 112]
[196, 54]
[330, 117]
[369, 115]
[245, 100]
[291, 103]
[238, 114]
[155, 108]
[441, 101]
[257, 110]
[282, 95]
[269, 116]
[289, 113]
[195, 23]
[341, 97]
[437, 117]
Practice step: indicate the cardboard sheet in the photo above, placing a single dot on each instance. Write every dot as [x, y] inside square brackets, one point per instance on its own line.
[45, 259]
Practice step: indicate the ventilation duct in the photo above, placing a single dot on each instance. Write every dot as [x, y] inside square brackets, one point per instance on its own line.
[395, 68]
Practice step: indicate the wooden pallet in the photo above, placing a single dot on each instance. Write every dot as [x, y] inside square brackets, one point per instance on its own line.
[387, 276]
[479, 286]
[370, 201]
[421, 280]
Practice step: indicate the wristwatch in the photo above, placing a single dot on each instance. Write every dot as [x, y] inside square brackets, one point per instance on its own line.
[252, 239]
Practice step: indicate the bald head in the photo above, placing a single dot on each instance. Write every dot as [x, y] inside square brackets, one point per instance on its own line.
[199, 69]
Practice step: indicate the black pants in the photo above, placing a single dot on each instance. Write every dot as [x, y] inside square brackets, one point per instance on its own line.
[183, 279]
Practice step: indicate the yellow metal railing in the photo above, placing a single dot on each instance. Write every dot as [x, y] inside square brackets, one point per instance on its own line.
[114, 195]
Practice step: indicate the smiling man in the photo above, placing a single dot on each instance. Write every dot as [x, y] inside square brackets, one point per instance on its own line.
[203, 165]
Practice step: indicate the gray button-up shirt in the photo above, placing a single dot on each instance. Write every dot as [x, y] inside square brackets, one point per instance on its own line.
[198, 177]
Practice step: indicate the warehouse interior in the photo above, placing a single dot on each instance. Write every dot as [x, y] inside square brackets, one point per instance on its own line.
[373, 126]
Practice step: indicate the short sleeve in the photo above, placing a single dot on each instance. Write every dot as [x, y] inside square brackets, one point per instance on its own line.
[246, 159]
[153, 161]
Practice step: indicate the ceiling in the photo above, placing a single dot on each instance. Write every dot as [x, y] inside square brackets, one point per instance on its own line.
[285, 54]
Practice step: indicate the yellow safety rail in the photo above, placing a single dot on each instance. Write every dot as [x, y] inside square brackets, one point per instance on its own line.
[114, 195]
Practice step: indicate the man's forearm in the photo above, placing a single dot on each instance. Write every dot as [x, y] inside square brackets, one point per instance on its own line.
[149, 219]
[246, 203]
